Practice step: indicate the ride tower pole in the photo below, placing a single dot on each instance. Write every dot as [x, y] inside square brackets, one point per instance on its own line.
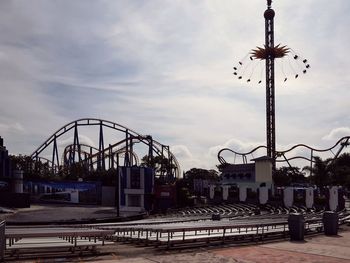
[270, 53]
[269, 15]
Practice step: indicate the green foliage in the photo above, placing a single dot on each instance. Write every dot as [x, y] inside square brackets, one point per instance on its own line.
[319, 172]
[340, 170]
[31, 169]
[222, 166]
[285, 176]
[327, 172]
[161, 165]
[198, 173]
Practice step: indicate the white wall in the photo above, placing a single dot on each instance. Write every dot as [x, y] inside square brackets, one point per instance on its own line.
[225, 192]
[242, 194]
[288, 197]
[309, 197]
[74, 196]
[333, 198]
[263, 195]
[211, 191]
[263, 171]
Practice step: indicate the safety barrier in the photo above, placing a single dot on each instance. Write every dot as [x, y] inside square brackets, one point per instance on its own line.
[2, 240]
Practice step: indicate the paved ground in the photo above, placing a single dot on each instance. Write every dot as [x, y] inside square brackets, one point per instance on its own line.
[314, 249]
[60, 212]
[319, 248]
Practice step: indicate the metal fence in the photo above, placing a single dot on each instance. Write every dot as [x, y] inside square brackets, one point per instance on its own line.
[2, 240]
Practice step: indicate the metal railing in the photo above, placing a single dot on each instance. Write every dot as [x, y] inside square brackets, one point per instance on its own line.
[2, 240]
[186, 233]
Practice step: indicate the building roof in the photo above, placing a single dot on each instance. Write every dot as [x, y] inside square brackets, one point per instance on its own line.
[262, 158]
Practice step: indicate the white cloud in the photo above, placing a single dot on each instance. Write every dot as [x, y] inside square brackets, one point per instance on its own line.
[165, 68]
[185, 157]
[83, 139]
[10, 128]
[181, 151]
[337, 134]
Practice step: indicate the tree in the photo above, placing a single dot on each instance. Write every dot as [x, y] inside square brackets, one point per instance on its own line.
[199, 173]
[340, 170]
[222, 166]
[285, 176]
[32, 169]
[319, 173]
[161, 165]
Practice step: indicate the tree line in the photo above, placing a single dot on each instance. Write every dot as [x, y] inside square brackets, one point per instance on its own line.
[321, 173]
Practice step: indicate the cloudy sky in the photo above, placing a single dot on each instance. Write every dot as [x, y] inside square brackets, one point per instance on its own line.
[165, 68]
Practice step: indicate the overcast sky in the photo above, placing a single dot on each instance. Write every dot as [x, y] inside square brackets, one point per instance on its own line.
[165, 68]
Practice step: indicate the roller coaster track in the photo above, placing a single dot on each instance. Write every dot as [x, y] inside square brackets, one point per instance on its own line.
[75, 153]
[281, 155]
[92, 158]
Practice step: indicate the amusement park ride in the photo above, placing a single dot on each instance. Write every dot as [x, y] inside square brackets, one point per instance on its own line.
[122, 151]
[248, 66]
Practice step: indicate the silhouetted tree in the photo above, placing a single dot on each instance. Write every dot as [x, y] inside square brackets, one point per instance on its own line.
[285, 176]
[32, 169]
[340, 170]
[319, 173]
[161, 165]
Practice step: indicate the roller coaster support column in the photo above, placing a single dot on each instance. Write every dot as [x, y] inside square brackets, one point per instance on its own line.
[91, 165]
[150, 149]
[117, 190]
[55, 155]
[270, 84]
[110, 157]
[101, 148]
[76, 144]
[127, 149]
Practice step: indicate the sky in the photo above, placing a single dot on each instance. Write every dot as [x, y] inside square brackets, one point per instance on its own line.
[164, 68]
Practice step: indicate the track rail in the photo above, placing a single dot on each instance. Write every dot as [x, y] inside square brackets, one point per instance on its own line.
[131, 137]
[281, 156]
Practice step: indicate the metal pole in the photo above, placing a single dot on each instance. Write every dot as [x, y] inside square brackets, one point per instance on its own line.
[270, 84]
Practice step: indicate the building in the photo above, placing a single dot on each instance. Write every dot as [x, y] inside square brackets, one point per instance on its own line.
[5, 163]
[249, 175]
[136, 188]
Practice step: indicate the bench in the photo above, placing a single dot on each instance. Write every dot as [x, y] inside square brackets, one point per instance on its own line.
[69, 239]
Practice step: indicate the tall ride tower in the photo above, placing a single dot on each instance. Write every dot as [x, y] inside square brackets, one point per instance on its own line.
[269, 53]
[270, 84]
